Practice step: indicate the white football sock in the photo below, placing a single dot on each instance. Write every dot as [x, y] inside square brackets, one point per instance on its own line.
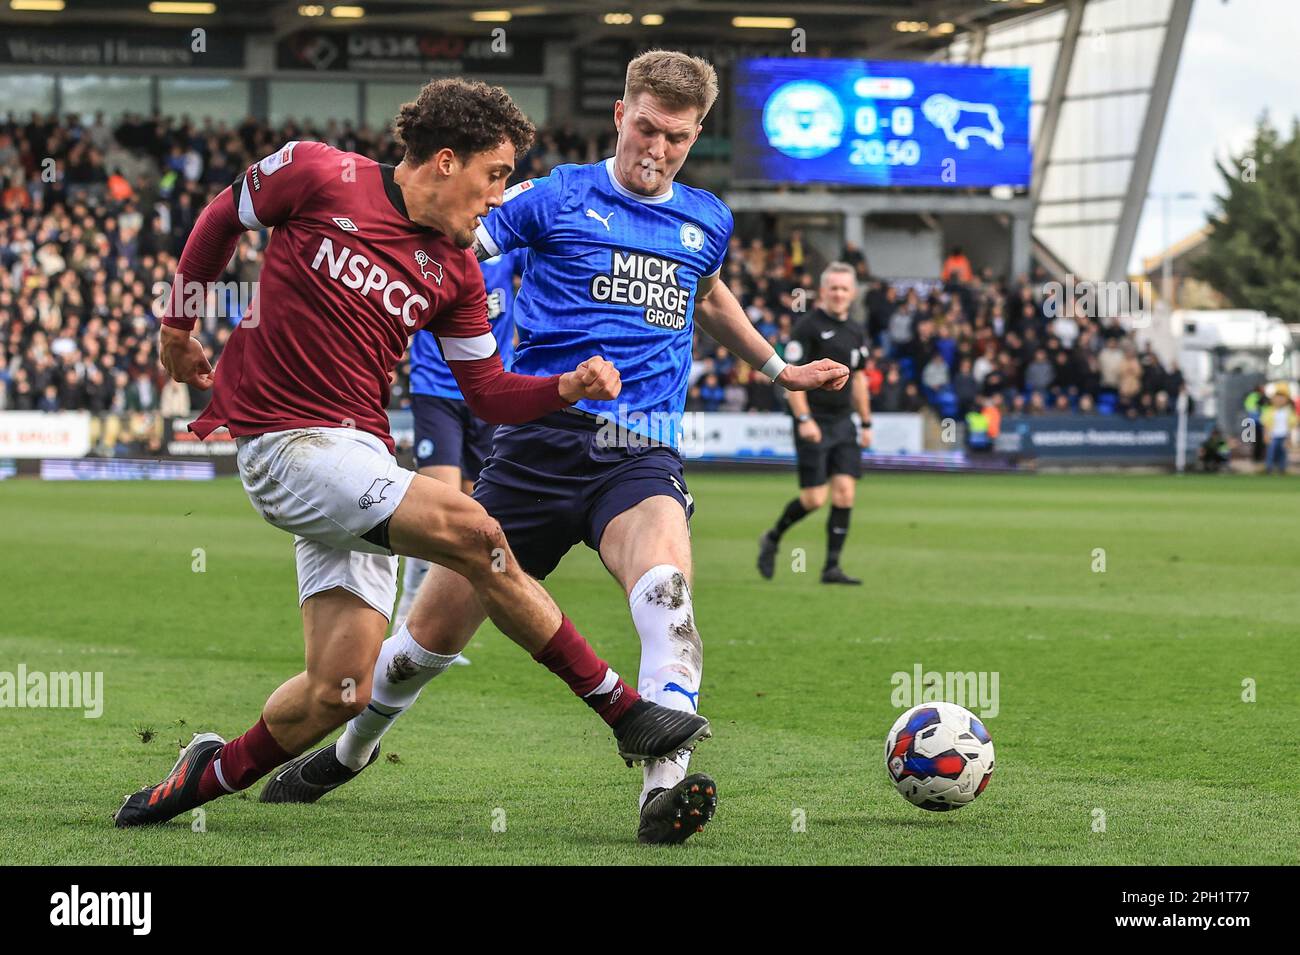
[402, 670]
[413, 575]
[671, 657]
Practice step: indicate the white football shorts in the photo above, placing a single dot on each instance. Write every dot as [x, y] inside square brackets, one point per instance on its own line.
[328, 487]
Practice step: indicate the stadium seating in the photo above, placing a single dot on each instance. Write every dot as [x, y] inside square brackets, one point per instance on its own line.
[82, 252]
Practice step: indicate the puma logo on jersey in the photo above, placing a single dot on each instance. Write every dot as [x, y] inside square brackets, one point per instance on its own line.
[435, 269]
[378, 487]
[603, 220]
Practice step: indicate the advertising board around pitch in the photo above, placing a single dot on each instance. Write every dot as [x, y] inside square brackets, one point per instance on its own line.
[881, 123]
[721, 434]
[1093, 439]
[35, 434]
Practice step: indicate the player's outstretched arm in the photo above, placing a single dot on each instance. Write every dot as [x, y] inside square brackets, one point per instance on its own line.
[822, 373]
[501, 397]
[719, 314]
[207, 250]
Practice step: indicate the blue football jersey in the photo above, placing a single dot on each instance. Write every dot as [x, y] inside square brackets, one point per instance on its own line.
[614, 274]
[429, 372]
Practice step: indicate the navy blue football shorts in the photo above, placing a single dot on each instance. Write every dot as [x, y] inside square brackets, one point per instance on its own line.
[448, 435]
[838, 452]
[553, 483]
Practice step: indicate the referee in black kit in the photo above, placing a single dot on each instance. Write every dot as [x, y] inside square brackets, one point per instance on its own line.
[827, 442]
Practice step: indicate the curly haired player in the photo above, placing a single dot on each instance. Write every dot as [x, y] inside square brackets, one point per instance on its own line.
[362, 256]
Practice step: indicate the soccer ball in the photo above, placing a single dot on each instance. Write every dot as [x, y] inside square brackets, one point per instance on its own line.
[939, 756]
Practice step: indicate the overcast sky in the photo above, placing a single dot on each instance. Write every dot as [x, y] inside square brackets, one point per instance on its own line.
[1239, 59]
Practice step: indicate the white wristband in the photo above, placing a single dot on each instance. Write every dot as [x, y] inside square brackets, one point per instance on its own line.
[775, 365]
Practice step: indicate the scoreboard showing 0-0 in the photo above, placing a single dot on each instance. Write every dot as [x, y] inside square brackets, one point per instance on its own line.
[880, 123]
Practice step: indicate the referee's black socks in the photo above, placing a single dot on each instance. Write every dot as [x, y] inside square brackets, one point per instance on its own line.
[837, 531]
[793, 513]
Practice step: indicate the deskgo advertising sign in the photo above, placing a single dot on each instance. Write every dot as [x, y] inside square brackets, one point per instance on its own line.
[1097, 439]
[881, 123]
[406, 51]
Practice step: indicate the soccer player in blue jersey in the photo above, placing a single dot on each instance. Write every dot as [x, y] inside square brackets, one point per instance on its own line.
[623, 262]
[451, 444]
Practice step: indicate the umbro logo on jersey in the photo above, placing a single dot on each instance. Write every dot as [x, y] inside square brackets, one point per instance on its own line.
[344, 223]
[603, 220]
[433, 270]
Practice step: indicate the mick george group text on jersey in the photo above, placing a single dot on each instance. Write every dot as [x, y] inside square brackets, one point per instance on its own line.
[647, 281]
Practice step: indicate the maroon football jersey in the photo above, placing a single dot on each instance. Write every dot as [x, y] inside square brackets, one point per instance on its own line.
[346, 279]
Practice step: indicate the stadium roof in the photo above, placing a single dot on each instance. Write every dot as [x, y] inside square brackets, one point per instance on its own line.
[881, 27]
[1101, 71]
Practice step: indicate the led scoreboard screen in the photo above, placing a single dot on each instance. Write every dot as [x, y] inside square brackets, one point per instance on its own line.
[880, 123]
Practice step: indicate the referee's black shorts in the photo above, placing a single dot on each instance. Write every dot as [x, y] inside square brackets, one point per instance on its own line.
[838, 452]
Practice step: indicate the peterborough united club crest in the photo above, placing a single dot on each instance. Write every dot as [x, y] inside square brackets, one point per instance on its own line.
[692, 237]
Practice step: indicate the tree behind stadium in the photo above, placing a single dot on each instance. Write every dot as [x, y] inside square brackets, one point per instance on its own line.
[1253, 251]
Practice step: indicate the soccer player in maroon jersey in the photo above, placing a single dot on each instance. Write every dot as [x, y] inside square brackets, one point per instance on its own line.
[362, 256]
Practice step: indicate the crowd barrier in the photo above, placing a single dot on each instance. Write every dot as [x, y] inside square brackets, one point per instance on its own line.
[709, 437]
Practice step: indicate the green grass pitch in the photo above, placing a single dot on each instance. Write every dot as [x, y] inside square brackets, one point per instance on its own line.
[1120, 692]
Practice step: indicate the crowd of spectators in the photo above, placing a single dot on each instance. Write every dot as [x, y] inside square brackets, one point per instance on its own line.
[92, 220]
[93, 217]
[952, 344]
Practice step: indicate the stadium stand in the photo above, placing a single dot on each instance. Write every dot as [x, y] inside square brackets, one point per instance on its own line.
[94, 217]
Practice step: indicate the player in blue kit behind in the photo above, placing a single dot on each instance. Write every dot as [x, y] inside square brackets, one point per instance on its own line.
[623, 262]
[451, 444]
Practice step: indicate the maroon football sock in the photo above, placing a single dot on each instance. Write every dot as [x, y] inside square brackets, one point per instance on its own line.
[242, 762]
[569, 656]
